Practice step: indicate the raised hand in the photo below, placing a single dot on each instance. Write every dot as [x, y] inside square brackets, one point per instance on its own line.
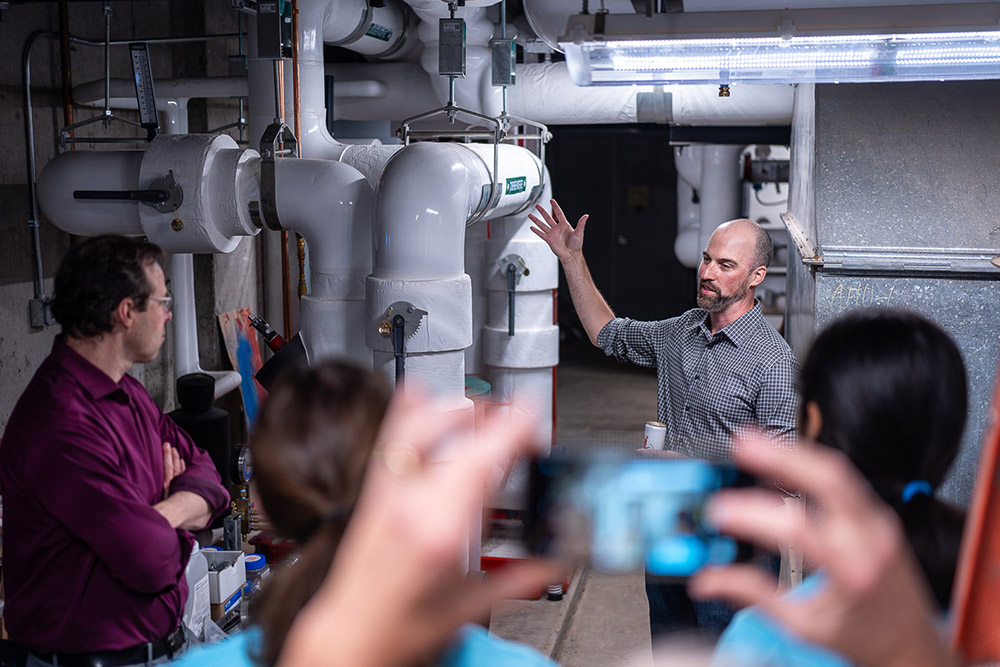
[555, 230]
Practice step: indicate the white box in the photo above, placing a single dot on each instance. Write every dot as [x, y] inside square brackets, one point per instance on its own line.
[227, 572]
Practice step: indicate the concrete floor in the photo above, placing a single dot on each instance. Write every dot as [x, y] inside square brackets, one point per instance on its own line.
[603, 619]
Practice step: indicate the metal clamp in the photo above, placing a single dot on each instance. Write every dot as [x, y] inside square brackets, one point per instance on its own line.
[277, 141]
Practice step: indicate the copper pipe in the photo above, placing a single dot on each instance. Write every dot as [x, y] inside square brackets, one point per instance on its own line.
[286, 282]
[286, 286]
[301, 243]
[297, 115]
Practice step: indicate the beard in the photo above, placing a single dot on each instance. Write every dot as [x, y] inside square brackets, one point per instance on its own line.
[716, 302]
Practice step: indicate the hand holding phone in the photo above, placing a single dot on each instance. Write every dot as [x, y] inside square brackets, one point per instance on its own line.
[626, 514]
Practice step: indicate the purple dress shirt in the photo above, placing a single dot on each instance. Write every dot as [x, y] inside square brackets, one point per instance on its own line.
[89, 565]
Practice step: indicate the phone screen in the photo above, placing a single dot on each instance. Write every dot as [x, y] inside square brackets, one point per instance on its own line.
[627, 514]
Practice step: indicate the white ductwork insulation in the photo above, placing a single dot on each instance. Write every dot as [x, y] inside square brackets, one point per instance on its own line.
[330, 204]
[687, 159]
[426, 195]
[545, 93]
[719, 196]
[213, 173]
[547, 18]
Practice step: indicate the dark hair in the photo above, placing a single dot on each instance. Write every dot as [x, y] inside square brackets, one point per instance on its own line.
[310, 448]
[891, 389]
[94, 277]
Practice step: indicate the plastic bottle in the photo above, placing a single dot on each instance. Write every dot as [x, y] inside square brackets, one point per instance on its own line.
[197, 608]
[257, 571]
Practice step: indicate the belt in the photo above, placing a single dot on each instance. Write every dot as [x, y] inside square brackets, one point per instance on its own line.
[133, 655]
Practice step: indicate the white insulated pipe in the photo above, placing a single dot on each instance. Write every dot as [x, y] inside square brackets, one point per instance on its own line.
[547, 18]
[719, 196]
[185, 327]
[427, 194]
[213, 172]
[476, 266]
[545, 93]
[688, 160]
[330, 204]
[521, 365]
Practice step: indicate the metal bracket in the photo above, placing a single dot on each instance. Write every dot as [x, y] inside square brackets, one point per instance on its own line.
[277, 141]
[164, 194]
[401, 321]
[512, 267]
[808, 249]
[175, 194]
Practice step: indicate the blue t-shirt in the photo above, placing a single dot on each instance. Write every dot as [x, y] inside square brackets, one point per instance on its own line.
[473, 647]
[754, 639]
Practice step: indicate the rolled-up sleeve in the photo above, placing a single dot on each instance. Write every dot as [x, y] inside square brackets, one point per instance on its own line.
[626, 339]
[200, 476]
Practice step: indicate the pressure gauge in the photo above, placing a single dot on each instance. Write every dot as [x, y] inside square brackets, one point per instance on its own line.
[241, 464]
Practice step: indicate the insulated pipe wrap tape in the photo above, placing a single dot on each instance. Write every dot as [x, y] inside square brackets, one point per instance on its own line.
[343, 287]
[447, 325]
[529, 348]
[532, 310]
[442, 374]
[330, 329]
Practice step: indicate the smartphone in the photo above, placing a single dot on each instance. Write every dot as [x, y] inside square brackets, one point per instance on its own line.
[630, 513]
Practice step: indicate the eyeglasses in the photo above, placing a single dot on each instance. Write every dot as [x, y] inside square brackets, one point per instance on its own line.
[166, 301]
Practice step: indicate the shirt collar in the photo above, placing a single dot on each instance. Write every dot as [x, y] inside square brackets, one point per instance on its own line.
[737, 332]
[95, 382]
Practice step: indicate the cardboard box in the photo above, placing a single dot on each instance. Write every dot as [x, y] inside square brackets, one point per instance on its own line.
[227, 572]
[220, 610]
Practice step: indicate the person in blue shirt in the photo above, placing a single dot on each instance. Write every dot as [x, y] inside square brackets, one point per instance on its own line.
[887, 389]
[320, 432]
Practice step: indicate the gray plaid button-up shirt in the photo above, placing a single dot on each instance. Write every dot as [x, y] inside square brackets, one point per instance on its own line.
[709, 388]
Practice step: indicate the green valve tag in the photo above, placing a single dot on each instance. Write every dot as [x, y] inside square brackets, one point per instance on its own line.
[379, 32]
[517, 184]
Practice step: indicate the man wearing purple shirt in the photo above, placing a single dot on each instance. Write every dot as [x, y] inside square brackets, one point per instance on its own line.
[100, 488]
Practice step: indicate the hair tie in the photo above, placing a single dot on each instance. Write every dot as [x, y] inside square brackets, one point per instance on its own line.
[917, 487]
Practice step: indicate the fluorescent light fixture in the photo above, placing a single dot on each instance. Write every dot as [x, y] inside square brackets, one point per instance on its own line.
[873, 44]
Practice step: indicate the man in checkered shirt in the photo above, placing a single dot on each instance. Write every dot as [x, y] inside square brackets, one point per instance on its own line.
[720, 367]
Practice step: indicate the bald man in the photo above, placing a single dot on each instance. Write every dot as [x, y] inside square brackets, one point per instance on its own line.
[720, 368]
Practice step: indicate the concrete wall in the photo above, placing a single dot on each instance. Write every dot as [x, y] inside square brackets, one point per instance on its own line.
[225, 282]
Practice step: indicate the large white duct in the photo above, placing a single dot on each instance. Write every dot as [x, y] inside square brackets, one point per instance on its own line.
[548, 18]
[545, 93]
[330, 204]
[426, 195]
[213, 172]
